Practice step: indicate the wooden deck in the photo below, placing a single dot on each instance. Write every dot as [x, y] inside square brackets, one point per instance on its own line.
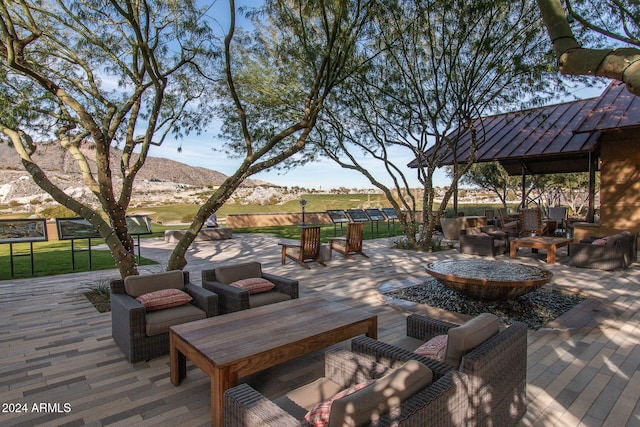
[60, 366]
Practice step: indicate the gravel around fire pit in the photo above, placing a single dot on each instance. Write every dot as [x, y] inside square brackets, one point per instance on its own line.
[536, 308]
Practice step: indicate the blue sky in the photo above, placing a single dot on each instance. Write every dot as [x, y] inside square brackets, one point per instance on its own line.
[325, 174]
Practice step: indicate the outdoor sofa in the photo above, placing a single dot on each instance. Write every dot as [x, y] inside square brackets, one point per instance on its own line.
[615, 252]
[485, 241]
[143, 334]
[406, 394]
[494, 369]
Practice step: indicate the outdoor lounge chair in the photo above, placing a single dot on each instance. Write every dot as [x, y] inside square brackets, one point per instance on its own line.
[307, 250]
[143, 333]
[493, 361]
[406, 394]
[235, 298]
[615, 252]
[478, 242]
[351, 244]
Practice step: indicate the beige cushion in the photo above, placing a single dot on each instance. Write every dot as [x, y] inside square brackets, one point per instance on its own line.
[611, 240]
[475, 231]
[233, 273]
[308, 396]
[465, 338]
[320, 415]
[266, 298]
[140, 285]
[158, 322]
[378, 398]
[407, 343]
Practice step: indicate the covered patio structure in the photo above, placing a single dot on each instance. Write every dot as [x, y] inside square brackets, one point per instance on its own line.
[589, 135]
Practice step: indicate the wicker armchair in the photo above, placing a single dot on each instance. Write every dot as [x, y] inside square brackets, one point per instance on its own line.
[477, 242]
[143, 335]
[439, 404]
[617, 253]
[495, 371]
[231, 298]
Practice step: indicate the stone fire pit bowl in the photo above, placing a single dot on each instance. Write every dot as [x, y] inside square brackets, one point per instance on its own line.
[488, 280]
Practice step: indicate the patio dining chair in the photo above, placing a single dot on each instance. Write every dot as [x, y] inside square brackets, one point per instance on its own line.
[506, 222]
[491, 216]
[531, 222]
[307, 250]
[558, 216]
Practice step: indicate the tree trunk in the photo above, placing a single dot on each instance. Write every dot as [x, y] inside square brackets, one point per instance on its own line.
[123, 254]
[619, 64]
[177, 260]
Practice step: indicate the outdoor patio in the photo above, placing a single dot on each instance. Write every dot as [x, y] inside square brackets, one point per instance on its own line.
[56, 348]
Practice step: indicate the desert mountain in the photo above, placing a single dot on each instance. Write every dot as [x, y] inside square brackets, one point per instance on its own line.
[52, 158]
[157, 175]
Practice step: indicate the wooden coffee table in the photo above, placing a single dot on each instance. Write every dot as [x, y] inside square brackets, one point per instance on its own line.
[237, 344]
[551, 244]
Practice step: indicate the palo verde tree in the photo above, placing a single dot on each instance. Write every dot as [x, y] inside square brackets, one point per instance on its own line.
[94, 75]
[617, 20]
[276, 82]
[492, 177]
[124, 74]
[566, 189]
[442, 65]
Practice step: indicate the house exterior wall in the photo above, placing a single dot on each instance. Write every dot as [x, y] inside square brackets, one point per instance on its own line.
[620, 180]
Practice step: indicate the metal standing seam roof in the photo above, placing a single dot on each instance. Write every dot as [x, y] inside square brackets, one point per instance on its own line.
[551, 139]
[615, 108]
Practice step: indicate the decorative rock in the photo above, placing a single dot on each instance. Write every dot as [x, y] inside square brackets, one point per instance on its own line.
[536, 308]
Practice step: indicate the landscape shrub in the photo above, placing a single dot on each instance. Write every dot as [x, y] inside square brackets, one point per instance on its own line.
[58, 212]
[188, 218]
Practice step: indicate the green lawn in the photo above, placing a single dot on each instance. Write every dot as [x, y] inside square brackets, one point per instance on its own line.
[55, 257]
[315, 203]
[166, 214]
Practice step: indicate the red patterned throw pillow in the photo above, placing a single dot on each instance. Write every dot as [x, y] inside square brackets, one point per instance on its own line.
[254, 285]
[318, 416]
[164, 298]
[435, 348]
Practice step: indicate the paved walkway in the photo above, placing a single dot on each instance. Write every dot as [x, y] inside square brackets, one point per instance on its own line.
[60, 366]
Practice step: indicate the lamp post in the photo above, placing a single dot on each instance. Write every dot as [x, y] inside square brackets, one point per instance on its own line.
[303, 203]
